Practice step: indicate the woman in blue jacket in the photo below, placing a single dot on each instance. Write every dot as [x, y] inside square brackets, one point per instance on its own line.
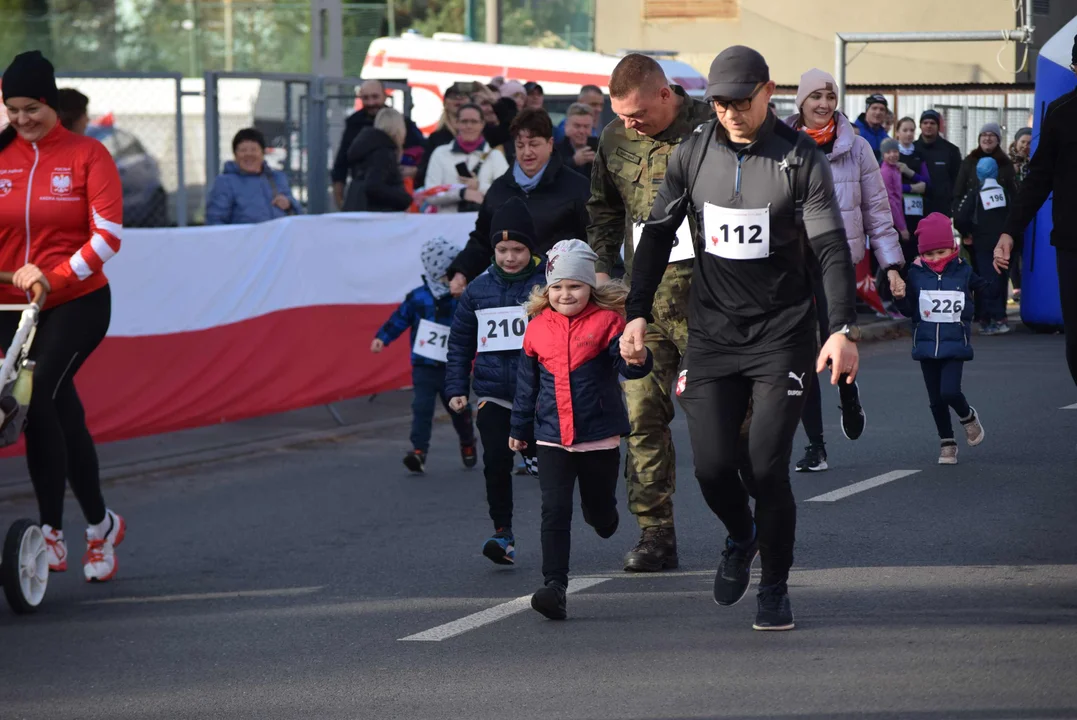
[248, 191]
[938, 298]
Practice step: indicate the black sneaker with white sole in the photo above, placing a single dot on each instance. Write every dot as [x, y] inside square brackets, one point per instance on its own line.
[774, 609]
[853, 418]
[735, 571]
[814, 459]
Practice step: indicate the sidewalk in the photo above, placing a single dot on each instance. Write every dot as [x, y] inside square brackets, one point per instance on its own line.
[390, 412]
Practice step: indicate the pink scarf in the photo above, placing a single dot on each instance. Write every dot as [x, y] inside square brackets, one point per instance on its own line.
[937, 266]
[470, 147]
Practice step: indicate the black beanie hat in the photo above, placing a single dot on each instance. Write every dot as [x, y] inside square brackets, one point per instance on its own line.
[31, 75]
[512, 221]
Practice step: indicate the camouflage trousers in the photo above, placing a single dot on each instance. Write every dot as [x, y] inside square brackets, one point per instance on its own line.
[651, 462]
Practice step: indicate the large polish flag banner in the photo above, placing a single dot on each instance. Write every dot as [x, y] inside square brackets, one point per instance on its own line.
[222, 323]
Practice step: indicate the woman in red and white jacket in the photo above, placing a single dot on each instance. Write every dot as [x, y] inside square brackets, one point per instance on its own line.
[61, 218]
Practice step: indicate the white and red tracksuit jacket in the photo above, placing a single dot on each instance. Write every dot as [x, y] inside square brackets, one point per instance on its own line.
[61, 209]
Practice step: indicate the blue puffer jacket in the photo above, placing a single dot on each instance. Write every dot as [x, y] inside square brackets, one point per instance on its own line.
[495, 372]
[568, 392]
[238, 197]
[418, 305]
[941, 341]
[874, 136]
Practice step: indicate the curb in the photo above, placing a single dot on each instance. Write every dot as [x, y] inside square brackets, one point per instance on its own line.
[20, 487]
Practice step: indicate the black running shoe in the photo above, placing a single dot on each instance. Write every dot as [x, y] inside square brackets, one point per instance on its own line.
[814, 459]
[853, 418]
[775, 612]
[469, 455]
[415, 461]
[735, 571]
[550, 601]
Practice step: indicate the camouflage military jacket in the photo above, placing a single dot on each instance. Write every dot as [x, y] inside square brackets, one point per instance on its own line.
[628, 170]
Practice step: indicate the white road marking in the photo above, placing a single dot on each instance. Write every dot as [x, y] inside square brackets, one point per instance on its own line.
[862, 486]
[492, 615]
[1069, 407]
[281, 592]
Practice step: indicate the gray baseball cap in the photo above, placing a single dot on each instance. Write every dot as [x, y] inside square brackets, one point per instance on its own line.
[735, 73]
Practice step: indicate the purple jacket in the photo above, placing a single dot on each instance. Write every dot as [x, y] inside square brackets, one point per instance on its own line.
[861, 195]
[892, 181]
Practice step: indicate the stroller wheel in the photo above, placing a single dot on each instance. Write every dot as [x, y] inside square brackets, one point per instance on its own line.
[25, 566]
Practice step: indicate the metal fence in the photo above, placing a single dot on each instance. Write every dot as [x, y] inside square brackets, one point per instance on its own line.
[140, 118]
[302, 117]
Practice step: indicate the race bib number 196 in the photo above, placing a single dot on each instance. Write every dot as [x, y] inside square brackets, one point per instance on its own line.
[432, 341]
[501, 328]
[683, 247]
[941, 306]
[736, 233]
[993, 198]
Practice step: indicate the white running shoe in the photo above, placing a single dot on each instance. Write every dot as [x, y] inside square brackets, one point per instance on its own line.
[99, 564]
[57, 548]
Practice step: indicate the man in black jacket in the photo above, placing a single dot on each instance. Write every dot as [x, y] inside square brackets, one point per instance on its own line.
[943, 164]
[372, 93]
[1053, 168]
[555, 195]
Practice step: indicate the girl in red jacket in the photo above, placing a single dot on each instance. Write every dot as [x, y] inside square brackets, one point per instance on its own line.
[61, 218]
[568, 394]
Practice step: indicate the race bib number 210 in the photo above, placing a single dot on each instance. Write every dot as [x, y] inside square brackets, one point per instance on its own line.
[501, 328]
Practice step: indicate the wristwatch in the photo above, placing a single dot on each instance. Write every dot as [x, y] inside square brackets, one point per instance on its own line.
[850, 331]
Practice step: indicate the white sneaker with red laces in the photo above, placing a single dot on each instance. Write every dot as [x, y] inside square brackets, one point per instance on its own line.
[99, 563]
[56, 547]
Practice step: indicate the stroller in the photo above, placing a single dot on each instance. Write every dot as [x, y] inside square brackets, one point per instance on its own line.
[24, 563]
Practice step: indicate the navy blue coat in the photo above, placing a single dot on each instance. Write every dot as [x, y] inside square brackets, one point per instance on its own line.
[941, 341]
[568, 392]
[495, 372]
[418, 305]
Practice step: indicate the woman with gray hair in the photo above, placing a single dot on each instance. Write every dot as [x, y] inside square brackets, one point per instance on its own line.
[374, 158]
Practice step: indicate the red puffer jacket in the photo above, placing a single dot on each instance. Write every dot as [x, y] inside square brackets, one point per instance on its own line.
[61, 209]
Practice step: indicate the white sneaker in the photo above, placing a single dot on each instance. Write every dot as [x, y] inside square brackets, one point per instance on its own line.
[974, 429]
[99, 564]
[948, 453]
[57, 548]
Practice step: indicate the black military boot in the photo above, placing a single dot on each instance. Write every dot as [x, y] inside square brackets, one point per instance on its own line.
[656, 550]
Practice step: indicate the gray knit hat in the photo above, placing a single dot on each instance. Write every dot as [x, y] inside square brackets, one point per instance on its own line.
[993, 128]
[889, 144]
[571, 260]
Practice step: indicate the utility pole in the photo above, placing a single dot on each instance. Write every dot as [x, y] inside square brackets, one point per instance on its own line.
[469, 19]
[493, 21]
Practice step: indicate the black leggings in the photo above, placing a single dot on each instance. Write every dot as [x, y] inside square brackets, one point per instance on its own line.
[943, 381]
[775, 383]
[498, 460]
[812, 416]
[1067, 289]
[58, 444]
[558, 470]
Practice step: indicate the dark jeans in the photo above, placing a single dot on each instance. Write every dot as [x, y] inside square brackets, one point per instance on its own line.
[993, 308]
[558, 470]
[497, 460]
[1067, 290]
[813, 396]
[943, 380]
[59, 448]
[429, 384]
[775, 384]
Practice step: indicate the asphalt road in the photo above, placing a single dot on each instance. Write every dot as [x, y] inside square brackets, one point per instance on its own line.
[283, 586]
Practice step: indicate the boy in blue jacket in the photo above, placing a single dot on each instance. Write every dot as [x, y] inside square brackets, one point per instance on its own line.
[427, 311]
[490, 320]
[938, 298]
[981, 216]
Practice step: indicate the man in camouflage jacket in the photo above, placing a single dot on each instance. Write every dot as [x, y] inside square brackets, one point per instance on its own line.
[633, 153]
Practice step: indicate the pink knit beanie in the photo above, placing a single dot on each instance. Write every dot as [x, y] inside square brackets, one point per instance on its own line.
[935, 232]
[815, 79]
